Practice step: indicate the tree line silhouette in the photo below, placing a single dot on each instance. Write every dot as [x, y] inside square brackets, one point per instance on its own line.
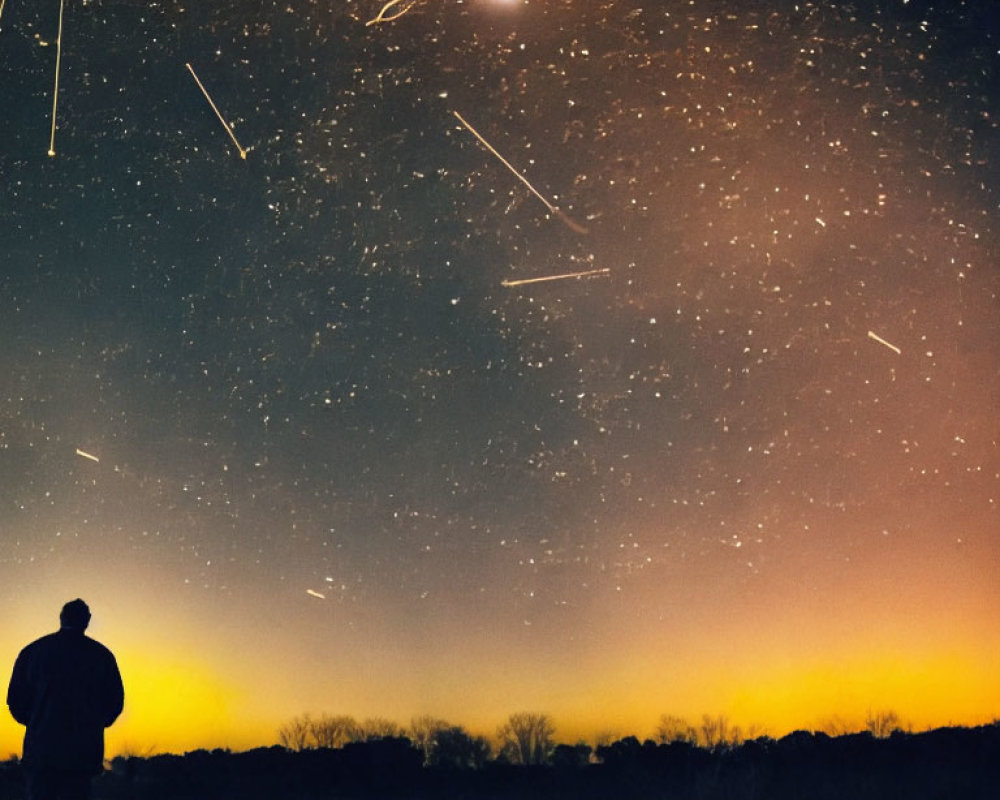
[329, 757]
[527, 738]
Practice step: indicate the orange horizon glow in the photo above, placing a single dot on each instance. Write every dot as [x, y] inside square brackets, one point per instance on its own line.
[151, 726]
[796, 648]
[177, 702]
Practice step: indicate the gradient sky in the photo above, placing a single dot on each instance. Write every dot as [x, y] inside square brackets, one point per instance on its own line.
[287, 426]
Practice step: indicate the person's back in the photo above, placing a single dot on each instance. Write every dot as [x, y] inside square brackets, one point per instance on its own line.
[66, 689]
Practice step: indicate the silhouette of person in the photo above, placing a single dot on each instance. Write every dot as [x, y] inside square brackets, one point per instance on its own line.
[65, 689]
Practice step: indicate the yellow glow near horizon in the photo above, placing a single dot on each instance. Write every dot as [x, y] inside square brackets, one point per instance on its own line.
[177, 705]
[924, 691]
[786, 658]
[172, 704]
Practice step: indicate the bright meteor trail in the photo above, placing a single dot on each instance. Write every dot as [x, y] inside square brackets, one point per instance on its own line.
[558, 277]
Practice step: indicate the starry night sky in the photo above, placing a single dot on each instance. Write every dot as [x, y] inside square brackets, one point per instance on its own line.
[286, 425]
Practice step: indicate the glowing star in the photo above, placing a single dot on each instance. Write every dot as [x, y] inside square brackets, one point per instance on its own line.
[204, 91]
[313, 593]
[880, 340]
[558, 277]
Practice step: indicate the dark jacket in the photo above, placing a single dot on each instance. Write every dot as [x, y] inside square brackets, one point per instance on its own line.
[66, 689]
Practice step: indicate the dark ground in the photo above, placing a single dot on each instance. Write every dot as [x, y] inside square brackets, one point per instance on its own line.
[959, 763]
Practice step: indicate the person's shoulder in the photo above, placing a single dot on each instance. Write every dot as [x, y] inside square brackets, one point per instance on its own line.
[41, 643]
[97, 647]
[38, 648]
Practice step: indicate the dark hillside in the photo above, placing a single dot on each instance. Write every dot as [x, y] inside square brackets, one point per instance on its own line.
[960, 763]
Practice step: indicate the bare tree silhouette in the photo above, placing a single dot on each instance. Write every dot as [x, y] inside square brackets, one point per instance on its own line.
[374, 728]
[882, 724]
[423, 732]
[837, 726]
[526, 738]
[675, 729]
[718, 733]
[335, 731]
[295, 734]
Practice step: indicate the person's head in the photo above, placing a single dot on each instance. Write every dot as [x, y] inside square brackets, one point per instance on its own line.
[75, 616]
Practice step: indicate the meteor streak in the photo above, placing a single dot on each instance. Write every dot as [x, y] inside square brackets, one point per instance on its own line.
[573, 226]
[880, 340]
[204, 91]
[559, 277]
[55, 88]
